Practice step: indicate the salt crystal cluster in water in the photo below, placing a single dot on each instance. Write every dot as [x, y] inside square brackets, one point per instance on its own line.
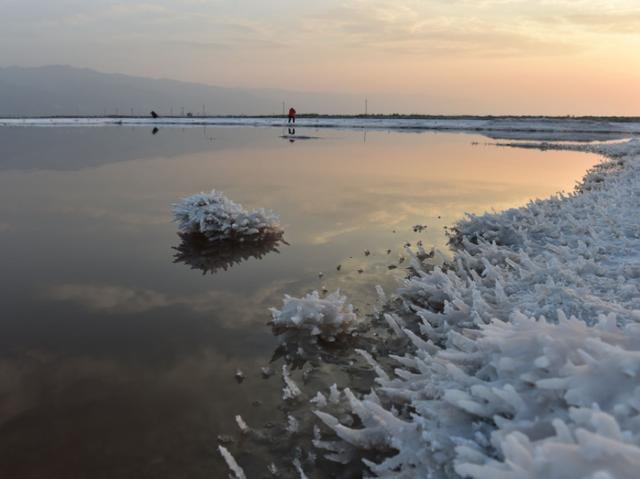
[290, 389]
[525, 358]
[236, 471]
[218, 218]
[325, 317]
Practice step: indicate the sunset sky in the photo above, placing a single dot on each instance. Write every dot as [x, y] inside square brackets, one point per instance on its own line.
[437, 56]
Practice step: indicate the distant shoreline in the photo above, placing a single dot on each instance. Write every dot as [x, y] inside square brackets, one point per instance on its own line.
[384, 116]
[503, 127]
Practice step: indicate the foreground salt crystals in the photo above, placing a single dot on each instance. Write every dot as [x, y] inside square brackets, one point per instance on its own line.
[236, 471]
[290, 389]
[325, 317]
[218, 218]
[525, 357]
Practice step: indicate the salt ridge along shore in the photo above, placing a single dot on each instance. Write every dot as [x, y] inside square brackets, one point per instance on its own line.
[561, 128]
[525, 356]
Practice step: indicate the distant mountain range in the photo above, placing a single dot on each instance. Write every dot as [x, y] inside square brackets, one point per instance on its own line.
[65, 90]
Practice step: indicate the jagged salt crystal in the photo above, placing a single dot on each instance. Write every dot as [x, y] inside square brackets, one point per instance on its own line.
[242, 425]
[290, 389]
[319, 400]
[293, 425]
[236, 470]
[298, 466]
[323, 317]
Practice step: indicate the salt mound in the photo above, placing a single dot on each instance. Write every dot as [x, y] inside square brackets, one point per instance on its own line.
[218, 218]
[324, 317]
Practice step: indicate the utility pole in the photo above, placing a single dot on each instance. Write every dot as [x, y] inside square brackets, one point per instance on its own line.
[366, 106]
[203, 110]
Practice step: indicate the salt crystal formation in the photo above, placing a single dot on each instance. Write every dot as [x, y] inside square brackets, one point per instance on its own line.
[525, 358]
[236, 471]
[218, 218]
[290, 389]
[323, 317]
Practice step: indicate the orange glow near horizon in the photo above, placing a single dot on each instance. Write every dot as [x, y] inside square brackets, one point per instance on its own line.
[479, 57]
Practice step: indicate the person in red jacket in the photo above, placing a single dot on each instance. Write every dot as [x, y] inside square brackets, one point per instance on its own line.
[292, 115]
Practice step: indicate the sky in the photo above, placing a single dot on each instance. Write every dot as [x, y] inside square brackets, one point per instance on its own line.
[429, 56]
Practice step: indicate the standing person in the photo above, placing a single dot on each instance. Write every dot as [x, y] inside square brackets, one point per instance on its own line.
[292, 115]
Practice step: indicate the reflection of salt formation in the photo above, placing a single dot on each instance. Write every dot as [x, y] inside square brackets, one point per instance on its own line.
[198, 252]
[322, 317]
[218, 218]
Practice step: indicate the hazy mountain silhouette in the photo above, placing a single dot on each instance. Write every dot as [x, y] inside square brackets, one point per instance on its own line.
[65, 90]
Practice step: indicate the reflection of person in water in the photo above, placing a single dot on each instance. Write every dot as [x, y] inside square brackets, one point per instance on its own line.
[292, 115]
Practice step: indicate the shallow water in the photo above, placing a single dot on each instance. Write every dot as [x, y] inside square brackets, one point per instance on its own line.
[118, 354]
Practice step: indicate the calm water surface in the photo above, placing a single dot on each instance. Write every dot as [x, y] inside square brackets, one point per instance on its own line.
[119, 344]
